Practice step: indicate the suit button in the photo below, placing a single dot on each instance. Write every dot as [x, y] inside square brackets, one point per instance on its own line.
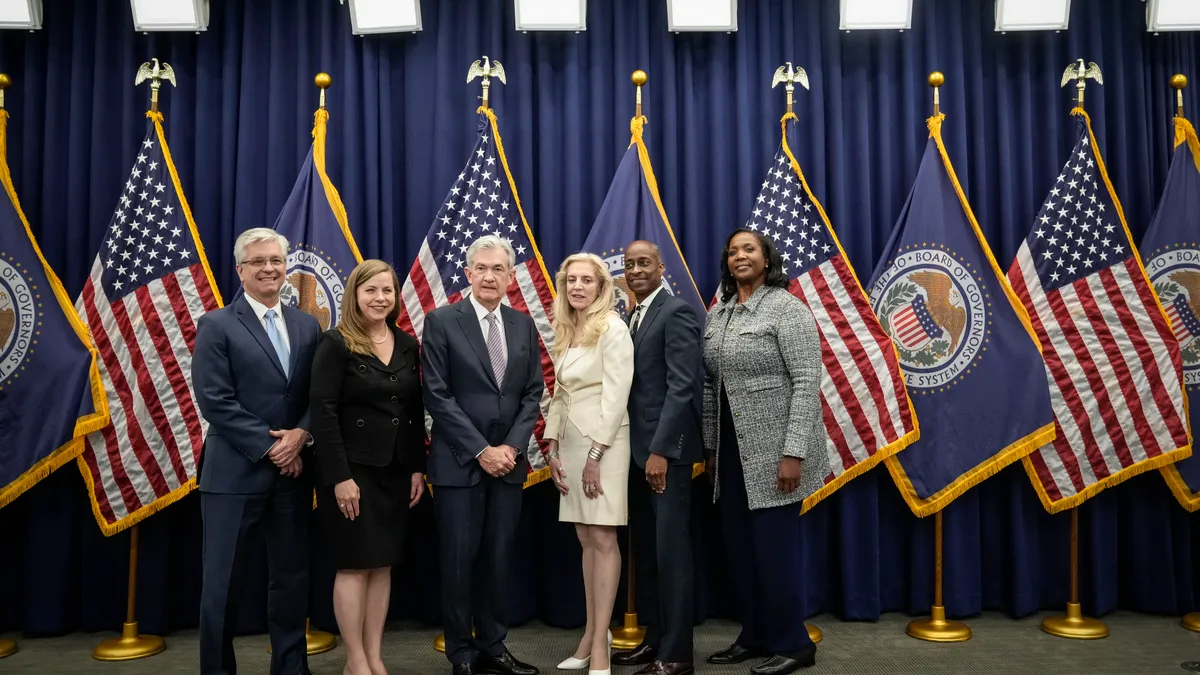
[737, 414]
[362, 368]
[360, 424]
[395, 421]
[393, 378]
[395, 399]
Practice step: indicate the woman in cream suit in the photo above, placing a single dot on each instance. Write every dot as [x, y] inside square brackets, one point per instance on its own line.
[588, 430]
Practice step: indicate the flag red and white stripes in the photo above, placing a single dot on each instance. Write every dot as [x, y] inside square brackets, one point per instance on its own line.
[483, 200]
[148, 286]
[1116, 375]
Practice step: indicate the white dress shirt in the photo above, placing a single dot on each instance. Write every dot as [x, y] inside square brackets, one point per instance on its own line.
[260, 310]
[645, 305]
[484, 326]
[481, 313]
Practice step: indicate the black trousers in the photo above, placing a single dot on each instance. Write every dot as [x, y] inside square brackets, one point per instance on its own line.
[229, 523]
[763, 548]
[662, 554]
[476, 529]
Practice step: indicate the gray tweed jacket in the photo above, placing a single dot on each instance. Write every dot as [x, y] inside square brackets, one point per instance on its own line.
[766, 352]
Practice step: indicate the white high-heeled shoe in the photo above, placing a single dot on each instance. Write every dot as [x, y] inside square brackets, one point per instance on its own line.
[608, 670]
[572, 663]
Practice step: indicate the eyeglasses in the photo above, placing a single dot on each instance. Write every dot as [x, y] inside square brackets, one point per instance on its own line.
[262, 262]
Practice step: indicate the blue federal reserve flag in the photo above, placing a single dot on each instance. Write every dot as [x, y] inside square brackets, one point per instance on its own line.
[1172, 255]
[322, 251]
[51, 395]
[971, 362]
[633, 210]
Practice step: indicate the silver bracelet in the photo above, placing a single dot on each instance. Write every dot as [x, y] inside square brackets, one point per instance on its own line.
[595, 453]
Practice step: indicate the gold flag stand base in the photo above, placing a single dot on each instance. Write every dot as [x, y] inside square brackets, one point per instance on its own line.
[1190, 622]
[630, 635]
[814, 633]
[319, 641]
[937, 629]
[1075, 625]
[7, 648]
[316, 641]
[129, 646]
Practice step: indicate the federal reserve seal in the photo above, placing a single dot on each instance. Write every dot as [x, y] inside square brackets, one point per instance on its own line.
[316, 286]
[615, 262]
[934, 309]
[18, 319]
[1176, 278]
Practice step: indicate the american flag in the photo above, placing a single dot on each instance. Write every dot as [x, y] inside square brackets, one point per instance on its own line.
[868, 416]
[483, 200]
[1117, 383]
[148, 286]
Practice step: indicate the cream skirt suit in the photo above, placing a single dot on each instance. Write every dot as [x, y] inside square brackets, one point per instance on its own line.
[590, 403]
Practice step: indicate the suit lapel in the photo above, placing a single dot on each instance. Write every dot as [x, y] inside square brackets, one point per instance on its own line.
[510, 337]
[252, 324]
[651, 314]
[470, 326]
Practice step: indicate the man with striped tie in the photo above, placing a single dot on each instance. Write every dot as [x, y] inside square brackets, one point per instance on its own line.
[482, 373]
[251, 374]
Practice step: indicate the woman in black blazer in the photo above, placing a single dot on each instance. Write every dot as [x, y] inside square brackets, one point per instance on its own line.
[368, 426]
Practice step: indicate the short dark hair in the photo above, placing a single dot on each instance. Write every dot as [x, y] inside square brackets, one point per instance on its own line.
[774, 269]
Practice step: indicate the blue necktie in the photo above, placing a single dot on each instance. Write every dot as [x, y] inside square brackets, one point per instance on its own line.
[281, 349]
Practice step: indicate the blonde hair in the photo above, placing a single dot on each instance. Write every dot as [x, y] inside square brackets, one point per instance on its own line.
[353, 324]
[595, 317]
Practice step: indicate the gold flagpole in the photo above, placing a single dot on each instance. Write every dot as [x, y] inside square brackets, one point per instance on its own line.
[1178, 83]
[1075, 625]
[789, 74]
[630, 634]
[130, 645]
[319, 641]
[7, 647]
[936, 628]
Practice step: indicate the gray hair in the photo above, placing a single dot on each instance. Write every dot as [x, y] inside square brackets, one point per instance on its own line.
[253, 236]
[488, 242]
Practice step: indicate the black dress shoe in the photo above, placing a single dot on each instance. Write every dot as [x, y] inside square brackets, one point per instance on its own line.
[463, 669]
[736, 653]
[661, 668]
[639, 656]
[503, 664]
[782, 665]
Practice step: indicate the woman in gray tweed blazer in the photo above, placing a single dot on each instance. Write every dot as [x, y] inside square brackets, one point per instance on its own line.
[762, 421]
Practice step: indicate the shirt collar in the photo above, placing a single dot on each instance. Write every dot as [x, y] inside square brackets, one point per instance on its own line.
[260, 309]
[480, 310]
[650, 298]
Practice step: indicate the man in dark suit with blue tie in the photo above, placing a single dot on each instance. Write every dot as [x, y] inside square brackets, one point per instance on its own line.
[666, 409]
[251, 373]
[482, 373]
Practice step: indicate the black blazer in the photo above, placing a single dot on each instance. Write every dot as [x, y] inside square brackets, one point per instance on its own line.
[469, 410]
[666, 401]
[365, 411]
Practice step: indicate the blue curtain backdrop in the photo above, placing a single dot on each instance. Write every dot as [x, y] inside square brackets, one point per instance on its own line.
[402, 121]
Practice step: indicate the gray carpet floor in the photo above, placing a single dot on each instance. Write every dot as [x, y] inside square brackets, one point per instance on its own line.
[1137, 645]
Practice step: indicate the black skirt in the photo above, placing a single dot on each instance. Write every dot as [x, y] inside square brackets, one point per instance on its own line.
[376, 537]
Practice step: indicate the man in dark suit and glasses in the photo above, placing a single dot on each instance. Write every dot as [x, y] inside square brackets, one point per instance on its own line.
[482, 371]
[665, 414]
[251, 371]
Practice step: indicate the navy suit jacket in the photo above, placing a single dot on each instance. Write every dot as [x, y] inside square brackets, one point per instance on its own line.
[469, 411]
[666, 401]
[244, 395]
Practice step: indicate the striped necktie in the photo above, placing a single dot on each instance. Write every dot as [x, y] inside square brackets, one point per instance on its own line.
[495, 347]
